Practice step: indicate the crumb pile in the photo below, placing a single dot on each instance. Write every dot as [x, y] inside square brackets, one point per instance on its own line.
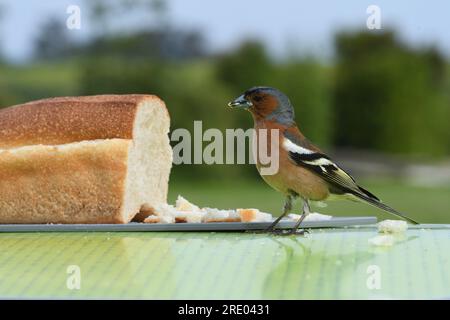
[185, 211]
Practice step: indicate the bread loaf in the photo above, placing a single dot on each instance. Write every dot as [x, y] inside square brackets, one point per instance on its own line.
[95, 159]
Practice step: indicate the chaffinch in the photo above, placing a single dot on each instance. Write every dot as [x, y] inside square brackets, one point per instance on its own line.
[304, 170]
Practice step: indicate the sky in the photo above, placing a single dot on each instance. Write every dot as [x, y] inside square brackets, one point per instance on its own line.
[285, 26]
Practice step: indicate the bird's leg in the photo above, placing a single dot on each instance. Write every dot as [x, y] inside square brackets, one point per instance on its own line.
[286, 208]
[306, 211]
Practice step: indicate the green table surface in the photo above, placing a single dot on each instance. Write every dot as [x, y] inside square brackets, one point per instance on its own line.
[326, 264]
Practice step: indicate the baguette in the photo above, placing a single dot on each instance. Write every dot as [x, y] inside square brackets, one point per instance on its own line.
[95, 159]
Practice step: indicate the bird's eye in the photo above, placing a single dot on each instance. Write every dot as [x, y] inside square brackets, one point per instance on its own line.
[257, 98]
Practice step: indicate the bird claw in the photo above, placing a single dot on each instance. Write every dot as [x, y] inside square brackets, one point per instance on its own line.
[277, 232]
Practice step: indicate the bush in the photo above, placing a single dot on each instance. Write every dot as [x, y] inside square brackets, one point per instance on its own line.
[307, 84]
[389, 97]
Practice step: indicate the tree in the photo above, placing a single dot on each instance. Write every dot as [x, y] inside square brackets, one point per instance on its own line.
[149, 44]
[388, 96]
[307, 84]
[53, 41]
[102, 13]
[246, 67]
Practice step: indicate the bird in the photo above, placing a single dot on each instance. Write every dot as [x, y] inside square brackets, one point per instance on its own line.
[304, 170]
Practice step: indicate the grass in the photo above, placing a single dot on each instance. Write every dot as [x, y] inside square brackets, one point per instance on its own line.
[425, 204]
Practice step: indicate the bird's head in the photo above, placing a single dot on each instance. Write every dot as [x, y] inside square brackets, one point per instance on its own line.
[266, 103]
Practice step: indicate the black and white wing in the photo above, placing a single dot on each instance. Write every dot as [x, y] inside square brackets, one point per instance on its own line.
[341, 181]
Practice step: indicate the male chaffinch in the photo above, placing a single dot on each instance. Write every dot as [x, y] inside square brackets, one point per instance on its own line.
[304, 170]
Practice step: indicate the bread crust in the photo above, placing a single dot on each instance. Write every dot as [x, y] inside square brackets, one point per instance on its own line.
[145, 212]
[70, 119]
[78, 183]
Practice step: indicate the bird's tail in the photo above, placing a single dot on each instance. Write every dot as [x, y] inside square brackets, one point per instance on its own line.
[377, 203]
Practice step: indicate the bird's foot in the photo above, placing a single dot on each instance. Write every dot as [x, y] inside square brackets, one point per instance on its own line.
[277, 232]
[270, 229]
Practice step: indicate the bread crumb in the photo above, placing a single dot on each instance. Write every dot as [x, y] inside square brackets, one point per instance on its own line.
[166, 213]
[166, 219]
[247, 215]
[216, 215]
[386, 240]
[185, 211]
[183, 205]
[152, 219]
[234, 216]
[392, 226]
[314, 216]
[195, 217]
[254, 215]
[144, 213]
[180, 219]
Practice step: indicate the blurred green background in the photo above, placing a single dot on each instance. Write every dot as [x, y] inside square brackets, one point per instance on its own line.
[379, 105]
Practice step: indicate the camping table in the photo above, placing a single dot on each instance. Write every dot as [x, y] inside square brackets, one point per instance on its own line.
[328, 263]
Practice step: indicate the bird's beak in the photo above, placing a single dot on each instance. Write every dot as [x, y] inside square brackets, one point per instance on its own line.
[240, 102]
